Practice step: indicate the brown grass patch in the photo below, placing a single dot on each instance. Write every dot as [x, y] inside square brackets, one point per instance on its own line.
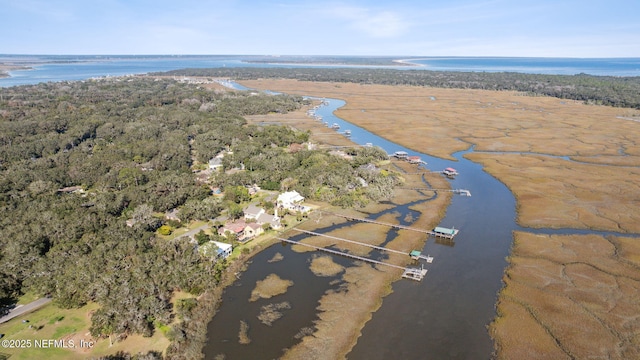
[271, 286]
[343, 314]
[493, 120]
[572, 291]
[324, 265]
[550, 192]
[243, 334]
[565, 296]
[277, 257]
[272, 312]
[553, 192]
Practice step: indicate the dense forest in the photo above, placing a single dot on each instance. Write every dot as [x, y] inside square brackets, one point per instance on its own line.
[601, 90]
[79, 159]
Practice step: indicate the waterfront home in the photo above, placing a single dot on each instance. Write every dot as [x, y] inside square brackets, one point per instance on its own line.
[222, 250]
[272, 220]
[252, 230]
[234, 227]
[252, 212]
[291, 200]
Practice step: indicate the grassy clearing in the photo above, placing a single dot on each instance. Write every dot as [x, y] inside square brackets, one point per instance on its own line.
[271, 286]
[51, 322]
[569, 297]
[27, 298]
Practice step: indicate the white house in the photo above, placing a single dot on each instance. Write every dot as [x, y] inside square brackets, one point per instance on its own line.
[224, 250]
[291, 200]
[253, 212]
[215, 163]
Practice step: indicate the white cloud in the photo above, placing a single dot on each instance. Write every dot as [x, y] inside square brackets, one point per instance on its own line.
[373, 23]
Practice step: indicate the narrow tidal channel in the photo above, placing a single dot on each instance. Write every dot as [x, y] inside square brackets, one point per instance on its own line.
[444, 316]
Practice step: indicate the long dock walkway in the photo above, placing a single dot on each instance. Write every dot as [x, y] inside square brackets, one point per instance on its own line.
[408, 273]
[463, 192]
[380, 248]
[342, 253]
[397, 226]
[352, 242]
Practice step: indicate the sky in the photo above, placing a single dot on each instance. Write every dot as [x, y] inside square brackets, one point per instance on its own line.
[542, 28]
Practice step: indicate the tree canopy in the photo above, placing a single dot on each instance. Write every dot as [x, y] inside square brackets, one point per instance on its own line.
[605, 90]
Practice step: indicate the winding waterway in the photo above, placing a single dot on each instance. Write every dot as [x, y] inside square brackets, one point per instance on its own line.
[444, 316]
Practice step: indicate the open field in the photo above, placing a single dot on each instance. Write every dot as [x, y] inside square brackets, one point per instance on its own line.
[72, 327]
[569, 165]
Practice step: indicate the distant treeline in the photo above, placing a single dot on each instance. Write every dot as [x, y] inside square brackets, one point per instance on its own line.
[600, 90]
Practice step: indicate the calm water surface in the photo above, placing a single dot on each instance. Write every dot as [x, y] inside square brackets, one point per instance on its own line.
[62, 68]
[444, 316]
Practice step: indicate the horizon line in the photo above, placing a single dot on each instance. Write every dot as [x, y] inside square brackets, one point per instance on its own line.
[275, 56]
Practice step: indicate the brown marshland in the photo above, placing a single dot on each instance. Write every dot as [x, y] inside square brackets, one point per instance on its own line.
[569, 165]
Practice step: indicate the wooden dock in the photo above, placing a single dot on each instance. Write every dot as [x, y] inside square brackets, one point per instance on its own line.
[424, 231]
[415, 254]
[341, 253]
[462, 192]
[408, 273]
[414, 274]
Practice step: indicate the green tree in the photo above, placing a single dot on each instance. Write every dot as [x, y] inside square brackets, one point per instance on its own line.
[202, 238]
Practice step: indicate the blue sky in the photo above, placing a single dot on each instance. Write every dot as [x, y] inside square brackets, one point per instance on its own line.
[546, 28]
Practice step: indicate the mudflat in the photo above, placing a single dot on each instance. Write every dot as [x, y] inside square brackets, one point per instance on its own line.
[569, 165]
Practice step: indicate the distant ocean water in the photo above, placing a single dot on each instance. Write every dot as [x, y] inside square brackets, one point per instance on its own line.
[61, 68]
[552, 66]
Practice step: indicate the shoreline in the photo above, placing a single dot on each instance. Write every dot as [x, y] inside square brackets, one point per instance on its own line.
[5, 69]
[331, 314]
[549, 193]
